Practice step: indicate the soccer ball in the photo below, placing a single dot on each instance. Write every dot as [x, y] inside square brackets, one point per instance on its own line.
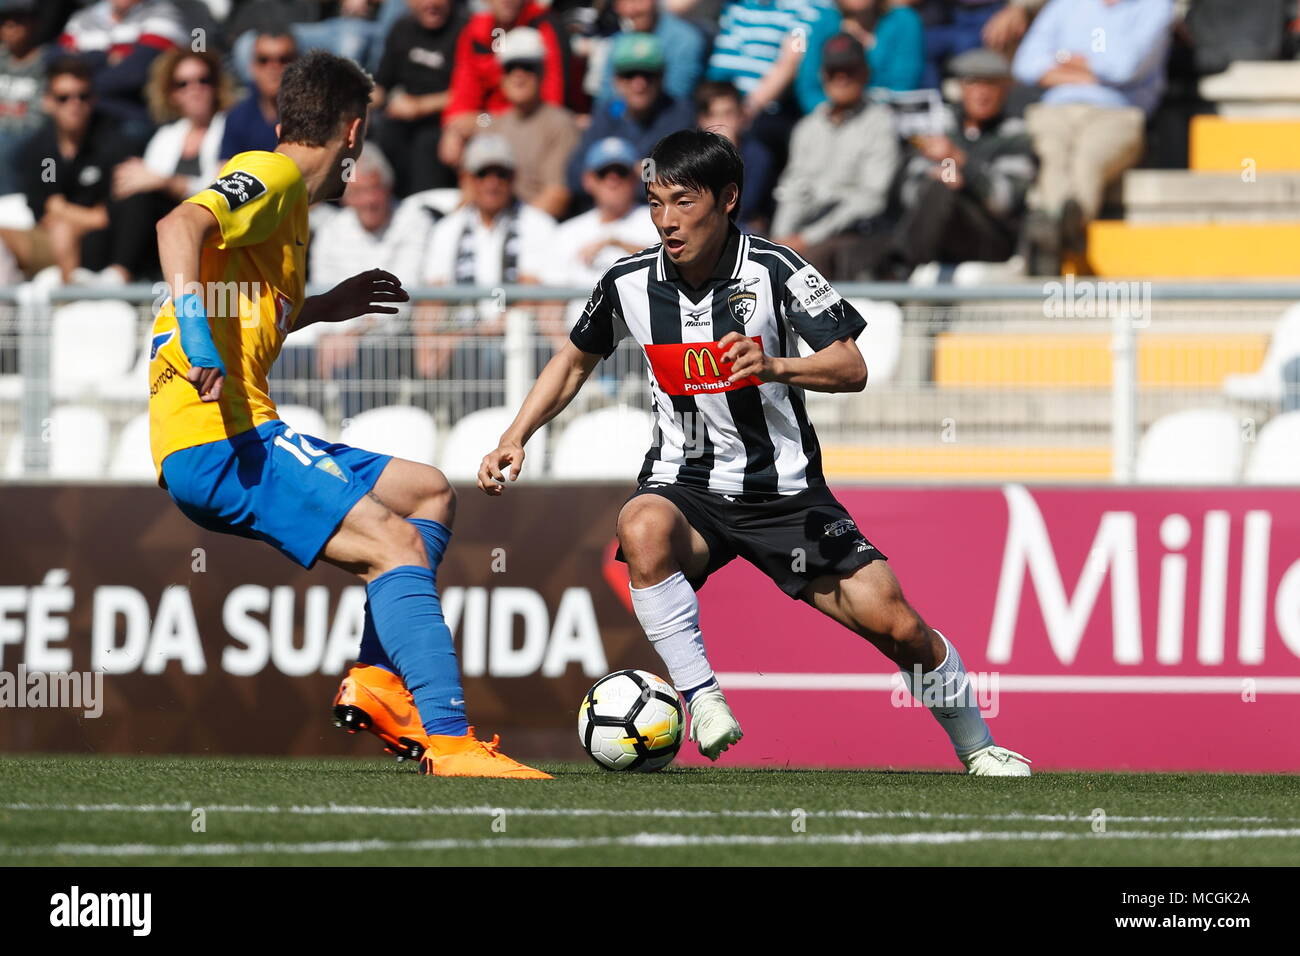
[631, 720]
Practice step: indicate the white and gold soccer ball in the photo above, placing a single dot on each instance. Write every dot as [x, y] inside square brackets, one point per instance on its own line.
[631, 720]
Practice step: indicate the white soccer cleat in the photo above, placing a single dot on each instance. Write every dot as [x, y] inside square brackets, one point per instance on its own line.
[995, 761]
[713, 726]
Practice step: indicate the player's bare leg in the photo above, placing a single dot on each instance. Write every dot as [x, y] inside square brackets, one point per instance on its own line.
[663, 552]
[870, 602]
[390, 553]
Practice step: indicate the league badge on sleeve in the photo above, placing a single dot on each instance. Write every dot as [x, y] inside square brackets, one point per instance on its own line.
[811, 290]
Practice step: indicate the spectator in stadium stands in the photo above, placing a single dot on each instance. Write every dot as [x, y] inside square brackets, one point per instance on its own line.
[188, 93]
[476, 74]
[891, 34]
[251, 122]
[704, 14]
[963, 191]
[541, 135]
[618, 225]
[120, 40]
[758, 51]
[371, 231]
[490, 241]
[954, 26]
[1090, 123]
[414, 80]
[832, 197]
[67, 169]
[718, 109]
[642, 113]
[22, 79]
[357, 31]
[51, 17]
[683, 69]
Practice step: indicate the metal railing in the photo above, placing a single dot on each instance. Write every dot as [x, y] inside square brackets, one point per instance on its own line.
[1044, 380]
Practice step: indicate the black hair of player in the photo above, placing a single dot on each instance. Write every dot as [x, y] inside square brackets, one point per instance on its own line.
[318, 93]
[698, 159]
[69, 66]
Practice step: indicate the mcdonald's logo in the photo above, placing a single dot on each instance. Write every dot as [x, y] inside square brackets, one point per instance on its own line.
[699, 356]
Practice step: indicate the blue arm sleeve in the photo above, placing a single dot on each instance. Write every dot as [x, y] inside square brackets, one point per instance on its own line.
[196, 337]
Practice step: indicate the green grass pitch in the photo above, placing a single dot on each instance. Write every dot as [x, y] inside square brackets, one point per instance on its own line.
[98, 811]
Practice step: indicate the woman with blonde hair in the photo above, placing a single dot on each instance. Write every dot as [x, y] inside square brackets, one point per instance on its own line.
[188, 95]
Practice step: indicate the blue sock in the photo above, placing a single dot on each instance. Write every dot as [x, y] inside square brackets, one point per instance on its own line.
[409, 624]
[436, 536]
[710, 684]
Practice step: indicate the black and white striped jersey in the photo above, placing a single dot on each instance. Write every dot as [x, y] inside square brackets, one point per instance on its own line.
[748, 437]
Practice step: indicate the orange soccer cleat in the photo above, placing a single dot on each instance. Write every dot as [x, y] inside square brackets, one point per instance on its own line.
[468, 756]
[376, 700]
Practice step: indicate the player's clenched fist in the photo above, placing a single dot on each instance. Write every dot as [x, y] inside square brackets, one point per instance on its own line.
[491, 477]
[746, 357]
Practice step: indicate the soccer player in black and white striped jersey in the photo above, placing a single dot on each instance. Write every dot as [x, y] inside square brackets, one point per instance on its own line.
[734, 467]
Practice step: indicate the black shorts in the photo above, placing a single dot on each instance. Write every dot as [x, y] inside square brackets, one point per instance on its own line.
[793, 539]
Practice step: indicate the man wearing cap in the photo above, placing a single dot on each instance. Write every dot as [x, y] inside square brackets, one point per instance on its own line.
[476, 78]
[492, 240]
[683, 69]
[618, 225]
[964, 189]
[413, 81]
[843, 157]
[642, 112]
[541, 135]
[22, 80]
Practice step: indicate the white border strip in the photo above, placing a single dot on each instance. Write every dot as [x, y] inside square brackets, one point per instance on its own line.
[1025, 683]
[634, 840]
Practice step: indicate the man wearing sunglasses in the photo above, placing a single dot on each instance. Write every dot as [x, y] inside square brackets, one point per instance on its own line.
[251, 122]
[67, 170]
[641, 113]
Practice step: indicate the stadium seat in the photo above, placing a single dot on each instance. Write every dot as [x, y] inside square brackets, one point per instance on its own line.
[476, 434]
[400, 430]
[1195, 446]
[608, 443]
[92, 347]
[1266, 382]
[305, 420]
[78, 436]
[1275, 459]
[881, 343]
[132, 460]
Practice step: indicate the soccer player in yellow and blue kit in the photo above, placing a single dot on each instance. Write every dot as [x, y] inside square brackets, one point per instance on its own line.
[235, 256]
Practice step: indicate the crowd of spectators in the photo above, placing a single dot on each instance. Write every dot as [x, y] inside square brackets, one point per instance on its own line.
[506, 135]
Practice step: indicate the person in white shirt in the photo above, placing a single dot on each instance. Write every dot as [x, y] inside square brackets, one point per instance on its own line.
[493, 240]
[619, 225]
[371, 231]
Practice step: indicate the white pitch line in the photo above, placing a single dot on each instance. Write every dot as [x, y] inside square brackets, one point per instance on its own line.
[635, 840]
[649, 812]
[1024, 683]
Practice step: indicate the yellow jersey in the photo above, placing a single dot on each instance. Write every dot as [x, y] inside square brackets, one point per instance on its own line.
[253, 274]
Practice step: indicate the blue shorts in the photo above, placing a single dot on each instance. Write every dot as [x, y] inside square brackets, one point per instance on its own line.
[270, 483]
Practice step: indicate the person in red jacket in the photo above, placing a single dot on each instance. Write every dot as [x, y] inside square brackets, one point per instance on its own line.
[476, 77]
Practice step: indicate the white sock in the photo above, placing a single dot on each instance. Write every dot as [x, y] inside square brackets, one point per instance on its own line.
[952, 704]
[670, 614]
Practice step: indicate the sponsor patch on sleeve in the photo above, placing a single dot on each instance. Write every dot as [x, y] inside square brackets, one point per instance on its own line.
[238, 187]
[812, 291]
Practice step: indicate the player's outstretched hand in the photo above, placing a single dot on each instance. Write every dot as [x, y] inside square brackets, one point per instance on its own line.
[746, 357]
[491, 477]
[207, 381]
[366, 294]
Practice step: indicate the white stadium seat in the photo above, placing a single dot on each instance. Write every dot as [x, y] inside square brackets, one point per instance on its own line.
[1275, 459]
[1266, 383]
[608, 443]
[1196, 446]
[78, 437]
[305, 420]
[399, 430]
[132, 460]
[476, 434]
[92, 347]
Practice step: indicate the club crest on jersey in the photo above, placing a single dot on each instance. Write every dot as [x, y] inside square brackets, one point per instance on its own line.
[159, 341]
[743, 304]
